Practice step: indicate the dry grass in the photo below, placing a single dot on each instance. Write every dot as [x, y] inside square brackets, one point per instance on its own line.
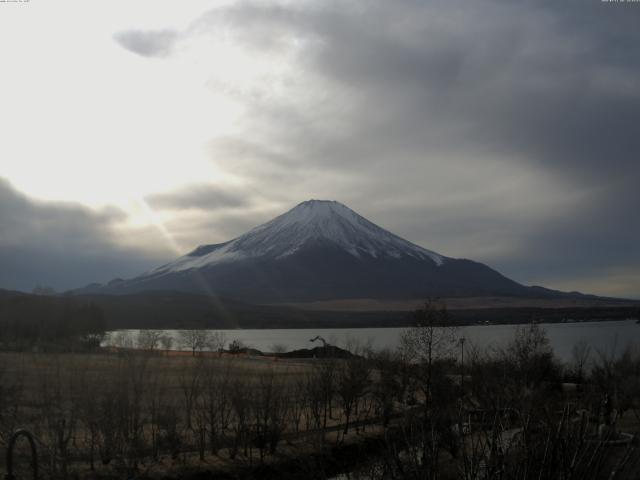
[82, 379]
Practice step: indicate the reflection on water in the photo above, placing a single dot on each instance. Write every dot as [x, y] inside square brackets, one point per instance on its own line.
[603, 336]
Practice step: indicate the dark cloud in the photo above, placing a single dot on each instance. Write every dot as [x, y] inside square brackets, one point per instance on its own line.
[63, 245]
[596, 239]
[209, 227]
[202, 196]
[515, 80]
[158, 43]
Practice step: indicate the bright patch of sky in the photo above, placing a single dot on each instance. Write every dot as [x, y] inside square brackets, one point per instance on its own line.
[83, 119]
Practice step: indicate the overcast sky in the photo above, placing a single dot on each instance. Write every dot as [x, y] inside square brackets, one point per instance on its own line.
[507, 132]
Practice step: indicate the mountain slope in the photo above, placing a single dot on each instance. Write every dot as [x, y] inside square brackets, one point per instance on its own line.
[322, 250]
[312, 222]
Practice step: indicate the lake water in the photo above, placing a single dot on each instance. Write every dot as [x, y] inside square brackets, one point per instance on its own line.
[603, 336]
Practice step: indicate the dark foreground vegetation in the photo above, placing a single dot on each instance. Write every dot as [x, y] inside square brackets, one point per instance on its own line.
[437, 407]
[30, 322]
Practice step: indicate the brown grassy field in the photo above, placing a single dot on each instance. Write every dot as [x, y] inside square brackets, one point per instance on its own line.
[128, 413]
[157, 409]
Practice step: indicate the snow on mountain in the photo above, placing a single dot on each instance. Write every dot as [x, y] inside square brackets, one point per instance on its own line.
[321, 250]
[312, 222]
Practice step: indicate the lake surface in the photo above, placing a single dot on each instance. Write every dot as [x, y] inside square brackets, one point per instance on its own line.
[603, 336]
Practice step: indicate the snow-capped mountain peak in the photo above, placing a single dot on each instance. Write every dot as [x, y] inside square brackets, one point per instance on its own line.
[312, 223]
[320, 250]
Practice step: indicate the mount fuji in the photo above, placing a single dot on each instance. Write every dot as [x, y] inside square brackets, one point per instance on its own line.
[322, 250]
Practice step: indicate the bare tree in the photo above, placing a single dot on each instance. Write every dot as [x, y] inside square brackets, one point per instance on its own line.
[315, 395]
[298, 401]
[194, 340]
[580, 353]
[387, 388]
[242, 402]
[130, 394]
[88, 413]
[11, 402]
[326, 384]
[216, 400]
[352, 381]
[59, 414]
[216, 341]
[425, 346]
[107, 399]
[530, 361]
[190, 380]
[269, 413]
[149, 340]
[431, 338]
[123, 339]
[167, 342]
[171, 435]
[154, 398]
